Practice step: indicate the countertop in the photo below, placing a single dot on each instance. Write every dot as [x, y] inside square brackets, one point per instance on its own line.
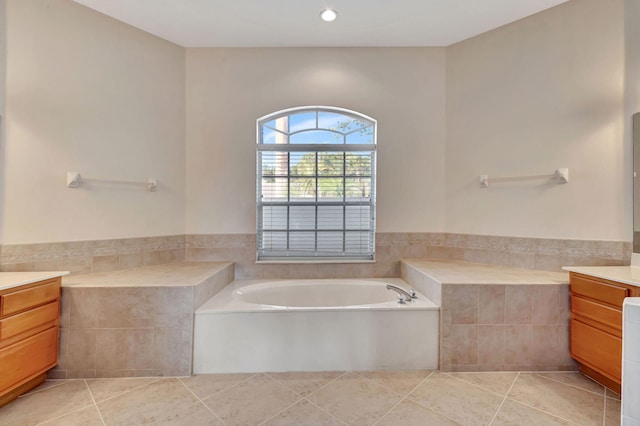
[166, 275]
[14, 279]
[624, 274]
[460, 272]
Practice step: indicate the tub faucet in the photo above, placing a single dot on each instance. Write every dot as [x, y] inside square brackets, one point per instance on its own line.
[403, 296]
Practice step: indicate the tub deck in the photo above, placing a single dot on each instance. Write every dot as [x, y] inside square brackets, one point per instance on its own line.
[134, 322]
[130, 322]
[496, 318]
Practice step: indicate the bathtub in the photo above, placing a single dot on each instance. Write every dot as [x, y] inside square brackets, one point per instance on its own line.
[314, 325]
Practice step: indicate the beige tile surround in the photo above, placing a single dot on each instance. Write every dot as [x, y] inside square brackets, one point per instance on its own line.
[495, 318]
[115, 254]
[83, 257]
[532, 253]
[87, 343]
[136, 322]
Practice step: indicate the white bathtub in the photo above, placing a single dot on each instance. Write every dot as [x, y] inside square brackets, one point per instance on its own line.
[314, 325]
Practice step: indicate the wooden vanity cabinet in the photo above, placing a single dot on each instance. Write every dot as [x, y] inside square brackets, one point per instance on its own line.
[29, 328]
[596, 326]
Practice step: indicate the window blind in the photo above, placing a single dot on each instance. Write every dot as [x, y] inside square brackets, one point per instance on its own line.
[316, 185]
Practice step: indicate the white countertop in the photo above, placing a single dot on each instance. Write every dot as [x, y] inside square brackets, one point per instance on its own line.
[459, 272]
[624, 274]
[167, 275]
[14, 279]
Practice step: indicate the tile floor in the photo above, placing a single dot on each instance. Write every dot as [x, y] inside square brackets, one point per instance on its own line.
[335, 398]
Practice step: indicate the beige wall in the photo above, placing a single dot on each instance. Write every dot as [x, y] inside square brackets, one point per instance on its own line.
[89, 94]
[632, 57]
[632, 94]
[3, 73]
[228, 89]
[541, 93]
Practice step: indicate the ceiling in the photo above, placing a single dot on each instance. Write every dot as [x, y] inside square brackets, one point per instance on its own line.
[279, 23]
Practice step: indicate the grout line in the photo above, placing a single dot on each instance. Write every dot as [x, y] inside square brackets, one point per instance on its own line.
[325, 410]
[402, 398]
[463, 381]
[201, 401]
[389, 410]
[543, 411]
[493, 419]
[608, 393]
[63, 415]
[130, 390]
[281, 411]
[373, 381]
[604, 407]
[35, 391]
[408, 397]
[304, 397]
[537, 408]
[569, 384]
[66, 349]
[268, 375]
[478, 386]
[512, 385]
[421, 382]
[94, 402]
[328, 383]
[432, 410]
[228, 387]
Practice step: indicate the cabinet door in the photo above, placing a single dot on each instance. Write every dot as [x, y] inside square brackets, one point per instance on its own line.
[29, 357]
[596, 349]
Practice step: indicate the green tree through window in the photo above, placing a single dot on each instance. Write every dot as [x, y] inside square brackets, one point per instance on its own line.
[337, 181]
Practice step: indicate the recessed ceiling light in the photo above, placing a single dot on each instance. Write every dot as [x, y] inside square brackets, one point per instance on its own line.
[328, 15]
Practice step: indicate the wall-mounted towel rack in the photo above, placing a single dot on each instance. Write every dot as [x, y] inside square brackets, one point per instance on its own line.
[560, 175]
[74, 180]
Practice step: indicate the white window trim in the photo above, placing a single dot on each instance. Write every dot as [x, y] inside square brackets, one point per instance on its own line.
[262, 255]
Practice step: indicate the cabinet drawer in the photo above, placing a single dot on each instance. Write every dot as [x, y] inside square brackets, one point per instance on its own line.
[601, 313]
[606, 293]
[29, 357]
[19, 323]
[24, 299]
[596, 349]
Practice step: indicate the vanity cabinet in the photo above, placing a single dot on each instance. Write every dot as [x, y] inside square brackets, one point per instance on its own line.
[596, 326]
[29, 328]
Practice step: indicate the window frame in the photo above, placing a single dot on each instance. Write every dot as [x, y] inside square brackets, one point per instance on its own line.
[263, 255]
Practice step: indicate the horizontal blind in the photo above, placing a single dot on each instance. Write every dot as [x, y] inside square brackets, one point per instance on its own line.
[316, 200]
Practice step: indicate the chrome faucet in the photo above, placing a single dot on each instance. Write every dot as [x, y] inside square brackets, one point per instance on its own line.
[403, 295]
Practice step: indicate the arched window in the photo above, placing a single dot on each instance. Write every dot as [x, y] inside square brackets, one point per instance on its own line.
[316, 185]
